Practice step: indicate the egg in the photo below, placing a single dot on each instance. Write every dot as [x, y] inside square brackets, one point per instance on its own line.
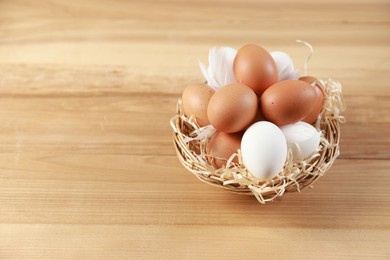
[284, 66]
[254, 67]
[319, 88]
[195, 100]
[288, 101]
[263, 150]
[232, 108]
[221, 146]
[302, 138]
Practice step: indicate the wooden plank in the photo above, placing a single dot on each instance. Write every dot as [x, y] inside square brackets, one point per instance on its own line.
[133, 190]
[171, 78]
[103, 121]
[41, 241]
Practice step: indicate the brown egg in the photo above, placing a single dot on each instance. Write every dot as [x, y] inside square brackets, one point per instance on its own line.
[319, 88]
[255, 67]
[288, 101]
[195, 101]
[232, 108]
[221, 146]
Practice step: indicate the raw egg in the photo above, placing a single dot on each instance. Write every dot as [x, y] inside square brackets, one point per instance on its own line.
[255, 67]
[288, 101]
[195, 99]
[302, 138]
[264, 150]
[319, 88]
[221, 146]
[232, 108]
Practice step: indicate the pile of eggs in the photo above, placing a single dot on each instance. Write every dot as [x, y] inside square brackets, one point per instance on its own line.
[257, 103]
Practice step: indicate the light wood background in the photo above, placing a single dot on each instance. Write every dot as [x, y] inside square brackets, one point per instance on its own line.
[87, 165]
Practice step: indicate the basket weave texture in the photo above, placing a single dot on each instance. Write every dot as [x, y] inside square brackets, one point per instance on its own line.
[295, 175]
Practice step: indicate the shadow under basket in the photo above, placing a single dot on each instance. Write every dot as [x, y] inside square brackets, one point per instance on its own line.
[190, 143]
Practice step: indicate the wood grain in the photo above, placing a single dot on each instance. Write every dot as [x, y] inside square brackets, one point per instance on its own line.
[87, 165]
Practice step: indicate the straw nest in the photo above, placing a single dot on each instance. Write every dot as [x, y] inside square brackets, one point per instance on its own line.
[295, 175]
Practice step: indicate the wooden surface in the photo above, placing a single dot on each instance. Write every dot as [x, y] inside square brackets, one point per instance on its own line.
[87, 165]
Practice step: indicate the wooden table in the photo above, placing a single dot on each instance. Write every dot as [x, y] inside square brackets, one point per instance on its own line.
[87, 165]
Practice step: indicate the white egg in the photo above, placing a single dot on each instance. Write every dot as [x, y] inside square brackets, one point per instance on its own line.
[302, 138]
[264, 150]
[285, 66]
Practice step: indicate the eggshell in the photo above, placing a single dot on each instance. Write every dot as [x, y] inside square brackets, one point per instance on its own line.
[232, 108]
[302, 138]
[319, 88]
[288, 101]
[263, 150]
[285, 66]
[254, 67]
[221, 146]
[195, 99]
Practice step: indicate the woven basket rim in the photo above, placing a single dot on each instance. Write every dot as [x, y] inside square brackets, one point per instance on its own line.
[295, 175]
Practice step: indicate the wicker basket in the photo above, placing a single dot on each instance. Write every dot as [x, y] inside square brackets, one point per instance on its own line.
[295, 175]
